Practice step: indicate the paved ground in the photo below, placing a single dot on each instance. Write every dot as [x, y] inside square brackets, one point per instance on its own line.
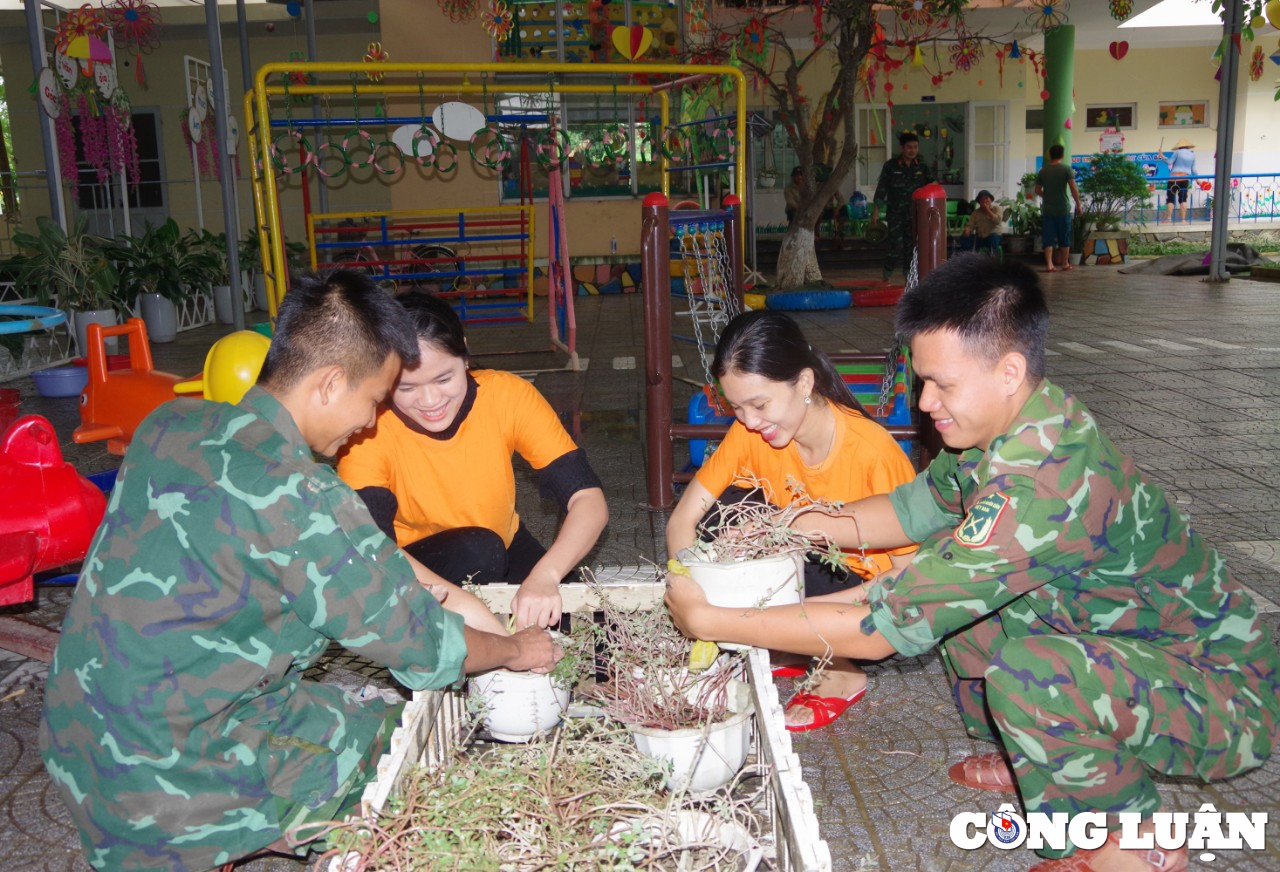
[1183, 375]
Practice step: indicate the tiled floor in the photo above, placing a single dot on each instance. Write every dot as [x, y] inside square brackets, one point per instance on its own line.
[1183, 375]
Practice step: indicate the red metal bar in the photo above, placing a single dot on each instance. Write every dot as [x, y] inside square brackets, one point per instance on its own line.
[655, 279]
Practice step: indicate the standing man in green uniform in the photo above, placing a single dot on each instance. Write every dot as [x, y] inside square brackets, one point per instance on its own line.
[1084, 626]
[900, 177]
[1056, 188]
[177, 727]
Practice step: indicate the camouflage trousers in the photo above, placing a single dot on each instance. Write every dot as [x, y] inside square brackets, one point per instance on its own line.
[901, 242]
[1086, 719]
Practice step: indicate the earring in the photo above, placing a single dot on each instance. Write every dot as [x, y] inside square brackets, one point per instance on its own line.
[808, 398]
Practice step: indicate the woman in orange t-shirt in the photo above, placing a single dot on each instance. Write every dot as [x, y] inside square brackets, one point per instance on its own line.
[796, 419]
[437, 475]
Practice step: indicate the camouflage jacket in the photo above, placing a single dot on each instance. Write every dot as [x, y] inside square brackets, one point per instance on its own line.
[176, 724]
[898, 181]
[1058, 532]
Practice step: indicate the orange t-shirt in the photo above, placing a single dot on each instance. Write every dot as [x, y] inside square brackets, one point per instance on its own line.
[864, 461]
[466, 480]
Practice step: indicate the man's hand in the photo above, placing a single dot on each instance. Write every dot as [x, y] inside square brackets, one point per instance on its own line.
[535, 651]
[537, 603]
[686, 600]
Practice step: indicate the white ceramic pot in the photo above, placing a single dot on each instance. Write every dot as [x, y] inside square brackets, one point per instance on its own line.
[161, 316]
[222, 307]
[518, 705]
[702, 758]
[1074, 258]
[105, 317]
[747, 584]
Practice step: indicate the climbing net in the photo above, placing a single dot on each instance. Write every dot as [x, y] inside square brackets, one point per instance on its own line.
[708, 278]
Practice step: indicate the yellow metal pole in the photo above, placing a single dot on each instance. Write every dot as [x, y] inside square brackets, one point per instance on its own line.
[665, 115]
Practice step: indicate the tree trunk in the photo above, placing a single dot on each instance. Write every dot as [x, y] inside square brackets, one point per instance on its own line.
[797, 259]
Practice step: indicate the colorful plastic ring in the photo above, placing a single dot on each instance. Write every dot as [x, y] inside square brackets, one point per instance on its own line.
[495, 152]
[305, 155]
[318, 159]
[554, 148]
[731, 143]
[425, 133]
[617, 144]
[366, 141]
[446, 148]
[675, 142]
[387, 148]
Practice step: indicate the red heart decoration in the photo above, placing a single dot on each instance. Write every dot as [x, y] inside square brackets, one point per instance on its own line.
[1119, 49]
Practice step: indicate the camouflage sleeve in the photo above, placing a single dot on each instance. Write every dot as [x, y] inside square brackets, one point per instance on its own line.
[882, 185]
[362, 593]
[918, 510]
[1012, 541]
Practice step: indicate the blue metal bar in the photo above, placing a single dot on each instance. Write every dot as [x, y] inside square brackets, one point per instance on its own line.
[705, 121]
[701, 166]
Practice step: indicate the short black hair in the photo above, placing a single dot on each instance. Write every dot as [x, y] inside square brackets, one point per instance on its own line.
[797, 172]
[436, 323]
[338, 317]
[904, 138]
[768, 343]
[994, 307]
[1056, 152]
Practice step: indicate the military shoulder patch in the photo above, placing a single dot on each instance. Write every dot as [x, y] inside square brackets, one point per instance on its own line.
[981, 521]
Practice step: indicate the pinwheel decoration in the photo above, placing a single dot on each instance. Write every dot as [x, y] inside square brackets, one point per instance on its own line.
[76, 29]
[376, 54]
[966, 52]
[497, 20]
[1120, 9]
[1048, 14]
[459, 10]
[136, 27]
[753, 45]
[916, 18]
[1257, 63]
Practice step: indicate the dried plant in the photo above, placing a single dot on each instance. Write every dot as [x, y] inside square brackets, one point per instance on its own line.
[581, 798]
[755, 528]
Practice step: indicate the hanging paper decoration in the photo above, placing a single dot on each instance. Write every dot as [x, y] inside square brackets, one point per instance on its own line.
[917, 57]
[79, 24]
[966, 53]
[135, 24]
[632, 42]
[1120, 9]
[459, 10]
[376, 54]
[497, 20]
[297, 78]
[1258, 64]
[695, 17]
[753, 44]
[1048, 14]
[915, 18]
[819, 35]
[1015, 51]
[1118, 49]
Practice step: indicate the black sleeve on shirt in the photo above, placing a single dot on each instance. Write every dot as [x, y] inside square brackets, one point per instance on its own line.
[382, 504]
[565, 476]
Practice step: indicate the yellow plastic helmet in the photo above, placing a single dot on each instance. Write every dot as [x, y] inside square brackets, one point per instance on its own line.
[232, 365]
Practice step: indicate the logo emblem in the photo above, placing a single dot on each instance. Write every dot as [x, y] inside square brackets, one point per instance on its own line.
[978, 527]
[1005, 827]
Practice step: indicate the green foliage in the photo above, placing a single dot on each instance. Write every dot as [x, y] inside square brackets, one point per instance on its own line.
[73, 266]
[1111, 186]
[160, 261]
[1021, 216]
[1160, 249]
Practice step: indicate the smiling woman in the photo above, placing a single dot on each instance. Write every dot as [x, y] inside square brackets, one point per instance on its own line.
[437, 471]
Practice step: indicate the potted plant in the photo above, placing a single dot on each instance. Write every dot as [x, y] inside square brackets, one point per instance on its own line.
[1112, 188]
[252, 279]
[520, 706]
[1028, 185]
[1022, 218]
[157, 268]
[73, 270]
[214, 262]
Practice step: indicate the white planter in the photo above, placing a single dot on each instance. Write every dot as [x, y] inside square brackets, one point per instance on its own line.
[222, 304]
[260, 292]
[765, 181]
[702, 758]
[161, 316]
[105, 317]
[1074, 257]
[667, 834]
[518, 705]
[747, 584]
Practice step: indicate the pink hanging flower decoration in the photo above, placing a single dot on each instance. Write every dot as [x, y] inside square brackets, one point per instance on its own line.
[966, 53]
[497, 20]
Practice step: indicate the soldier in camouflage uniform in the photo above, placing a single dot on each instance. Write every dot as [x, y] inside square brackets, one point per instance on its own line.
[1083, 624]
[177, 727]
[900, 177]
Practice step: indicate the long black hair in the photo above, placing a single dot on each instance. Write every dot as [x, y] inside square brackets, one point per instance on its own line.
[436, 324]
[771, 344]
